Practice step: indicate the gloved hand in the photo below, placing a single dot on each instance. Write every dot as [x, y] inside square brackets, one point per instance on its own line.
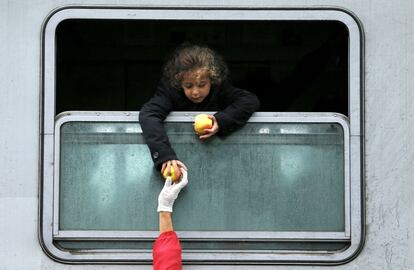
[170, 192]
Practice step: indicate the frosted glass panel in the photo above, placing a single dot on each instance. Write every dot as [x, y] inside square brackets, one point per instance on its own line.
[265, 177]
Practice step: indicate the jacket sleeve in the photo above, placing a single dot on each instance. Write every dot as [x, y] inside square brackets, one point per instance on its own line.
[151, 119]
[166, 252]
[239, 105]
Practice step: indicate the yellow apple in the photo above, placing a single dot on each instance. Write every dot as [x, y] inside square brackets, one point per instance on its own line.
[201, 122]
[174, 177]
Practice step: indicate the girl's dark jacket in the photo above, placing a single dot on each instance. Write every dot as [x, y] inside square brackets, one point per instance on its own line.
[234, 107]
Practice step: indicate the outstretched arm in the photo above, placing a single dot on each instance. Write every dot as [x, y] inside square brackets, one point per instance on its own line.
[167, 249]
[151, 119]
[166, 224]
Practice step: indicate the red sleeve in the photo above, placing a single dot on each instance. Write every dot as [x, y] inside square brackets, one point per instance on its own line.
[166, 252]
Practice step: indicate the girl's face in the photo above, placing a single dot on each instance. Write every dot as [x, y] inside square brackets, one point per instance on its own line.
[196, 85]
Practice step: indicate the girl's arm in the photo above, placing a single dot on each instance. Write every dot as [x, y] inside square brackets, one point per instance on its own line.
[238, 105]
[151, 119]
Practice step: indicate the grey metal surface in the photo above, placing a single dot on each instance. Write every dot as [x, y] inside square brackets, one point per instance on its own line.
[388, 137]
[388, 123]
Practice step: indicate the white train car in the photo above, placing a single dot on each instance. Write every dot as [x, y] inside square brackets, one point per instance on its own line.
[323, 171]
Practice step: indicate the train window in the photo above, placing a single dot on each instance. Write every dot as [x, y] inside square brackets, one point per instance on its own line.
[295, 167]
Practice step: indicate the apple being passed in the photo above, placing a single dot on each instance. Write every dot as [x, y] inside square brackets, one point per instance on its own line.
[201, 122]
[174, 176]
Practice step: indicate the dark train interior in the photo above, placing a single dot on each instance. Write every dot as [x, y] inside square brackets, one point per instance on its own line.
[115, 65]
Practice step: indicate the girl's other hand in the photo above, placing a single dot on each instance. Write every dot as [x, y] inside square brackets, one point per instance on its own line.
[210, 131]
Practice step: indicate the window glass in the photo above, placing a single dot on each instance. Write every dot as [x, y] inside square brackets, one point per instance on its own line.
[264, 177]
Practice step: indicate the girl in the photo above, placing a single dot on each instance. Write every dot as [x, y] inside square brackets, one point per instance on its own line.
[195, 78]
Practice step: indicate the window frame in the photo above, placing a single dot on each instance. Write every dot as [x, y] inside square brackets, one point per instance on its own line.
[188, 117]
[49, 123]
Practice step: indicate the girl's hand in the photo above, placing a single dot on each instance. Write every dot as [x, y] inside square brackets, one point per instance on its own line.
[174, 163]
[211, 131]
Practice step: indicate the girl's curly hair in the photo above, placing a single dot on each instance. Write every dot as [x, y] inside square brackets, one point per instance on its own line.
[189, 57]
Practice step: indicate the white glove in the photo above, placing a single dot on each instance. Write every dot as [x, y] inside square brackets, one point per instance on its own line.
[170, 192]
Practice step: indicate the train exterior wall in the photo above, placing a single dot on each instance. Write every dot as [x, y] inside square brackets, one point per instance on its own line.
[388, 123]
